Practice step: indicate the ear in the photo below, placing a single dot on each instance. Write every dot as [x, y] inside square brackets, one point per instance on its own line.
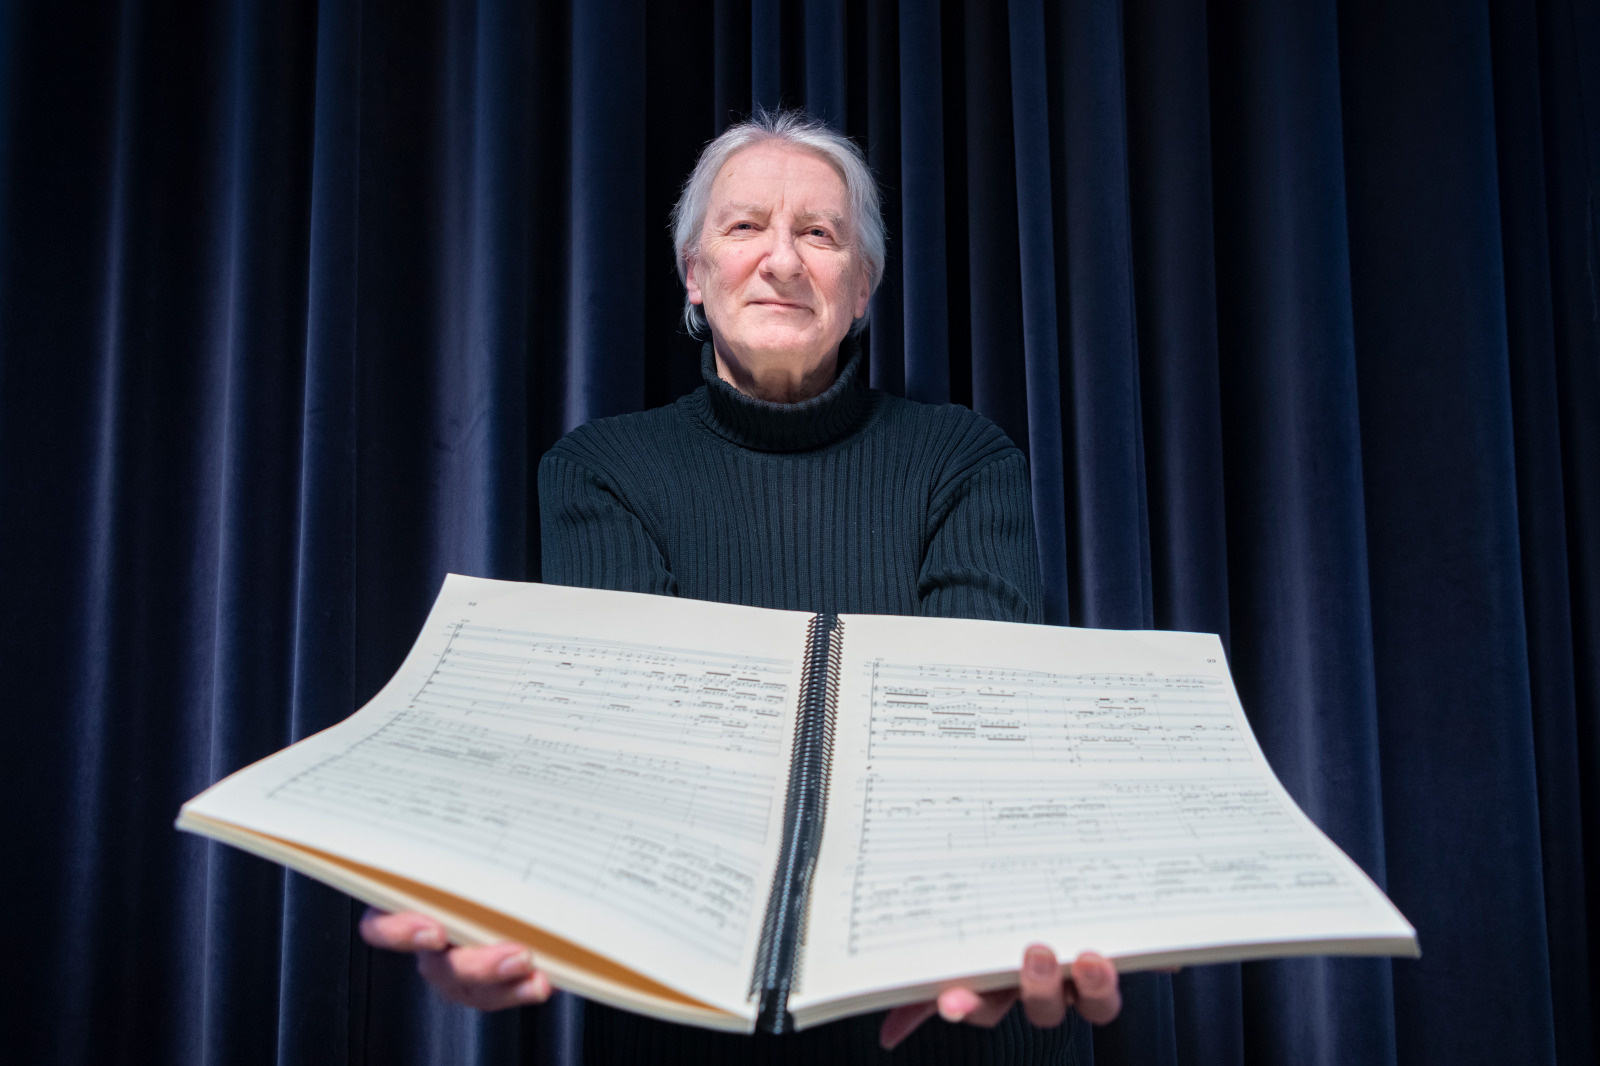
[690, 283]
[863, 291]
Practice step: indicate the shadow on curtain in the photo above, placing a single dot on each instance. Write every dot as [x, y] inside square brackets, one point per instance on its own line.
[1292, 305]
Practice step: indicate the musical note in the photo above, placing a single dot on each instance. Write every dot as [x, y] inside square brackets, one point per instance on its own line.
[1026, 855]
[524, 751]
[923, 712]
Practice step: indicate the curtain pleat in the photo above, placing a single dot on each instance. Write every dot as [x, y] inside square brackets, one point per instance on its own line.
[258, 297]
[105, 507]
[1435, 387]
[314, 986]
[1299, 611]
[1041, 353]
[1174, 276]
[605, 334]
[916, 129]
[1291, 305]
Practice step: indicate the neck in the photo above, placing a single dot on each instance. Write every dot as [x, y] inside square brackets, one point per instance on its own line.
[778, 381]
[764, 426]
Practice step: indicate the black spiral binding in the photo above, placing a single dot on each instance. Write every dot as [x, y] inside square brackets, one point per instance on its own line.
[783, 931]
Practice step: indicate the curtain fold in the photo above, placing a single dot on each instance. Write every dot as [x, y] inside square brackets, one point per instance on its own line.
[1174, 276]
[1299, 613]
[1291, 305]
[1435, 388]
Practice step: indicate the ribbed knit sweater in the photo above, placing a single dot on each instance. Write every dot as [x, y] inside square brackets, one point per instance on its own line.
[853, 501]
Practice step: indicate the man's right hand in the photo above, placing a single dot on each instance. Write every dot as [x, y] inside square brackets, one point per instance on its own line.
[488, 978]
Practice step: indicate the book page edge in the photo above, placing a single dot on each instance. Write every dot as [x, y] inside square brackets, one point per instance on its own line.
[822, 1010]
[390, 892]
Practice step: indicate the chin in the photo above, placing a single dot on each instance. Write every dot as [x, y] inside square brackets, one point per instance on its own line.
[782, 347]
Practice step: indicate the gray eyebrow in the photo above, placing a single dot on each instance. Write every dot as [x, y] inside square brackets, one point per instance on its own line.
[833, 217]
[830, 216]
[741, 208]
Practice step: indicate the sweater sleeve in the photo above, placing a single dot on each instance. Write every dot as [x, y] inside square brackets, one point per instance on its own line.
[590, 538]
[982, 560]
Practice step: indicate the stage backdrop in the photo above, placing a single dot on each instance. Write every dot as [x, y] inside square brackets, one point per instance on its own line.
[1293, 305]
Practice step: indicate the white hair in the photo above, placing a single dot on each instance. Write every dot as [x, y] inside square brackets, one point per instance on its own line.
[795, 128]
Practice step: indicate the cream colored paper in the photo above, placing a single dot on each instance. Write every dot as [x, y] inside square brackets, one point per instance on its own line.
[995, 785]
[606, 766]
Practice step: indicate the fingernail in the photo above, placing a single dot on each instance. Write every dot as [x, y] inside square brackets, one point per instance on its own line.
[956, 1003]
[1041, 963]
[1094, 976]
[515, 965]
[535, 989]
[428, 939]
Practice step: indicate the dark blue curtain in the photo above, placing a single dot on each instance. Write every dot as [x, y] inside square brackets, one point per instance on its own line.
[1294, 305]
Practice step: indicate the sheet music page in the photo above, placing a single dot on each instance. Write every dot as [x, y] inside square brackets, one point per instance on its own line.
[996, 784]
[607, 766]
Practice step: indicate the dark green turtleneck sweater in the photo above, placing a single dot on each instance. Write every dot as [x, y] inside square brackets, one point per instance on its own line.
[853, 501]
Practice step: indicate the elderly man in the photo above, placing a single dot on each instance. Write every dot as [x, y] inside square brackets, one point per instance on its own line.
[784, 482]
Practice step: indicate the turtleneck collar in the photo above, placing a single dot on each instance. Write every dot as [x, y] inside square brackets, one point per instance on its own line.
[782, 427]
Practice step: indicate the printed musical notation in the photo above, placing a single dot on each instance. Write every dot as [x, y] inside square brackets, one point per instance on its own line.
[968, 712]
[695, 698]
[1026, 855]
[515, 751]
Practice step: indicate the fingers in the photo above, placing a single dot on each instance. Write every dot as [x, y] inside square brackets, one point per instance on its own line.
[903, 1021]
[975, 1008]
[1094, 988]
[1045, 995]
[402, 931]
[953, 1005]
[1043, 992]
[1091, 986]
[488, 978]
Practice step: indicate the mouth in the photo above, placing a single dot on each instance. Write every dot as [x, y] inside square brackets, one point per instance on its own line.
[779, 305]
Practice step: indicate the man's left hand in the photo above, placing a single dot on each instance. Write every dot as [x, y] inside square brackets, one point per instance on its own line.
[1046, 995]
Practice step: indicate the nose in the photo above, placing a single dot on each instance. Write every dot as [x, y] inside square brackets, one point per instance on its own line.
[782, 260]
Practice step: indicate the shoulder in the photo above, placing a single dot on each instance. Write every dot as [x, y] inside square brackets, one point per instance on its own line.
[620, 441]
[959, 438]
[632, 459]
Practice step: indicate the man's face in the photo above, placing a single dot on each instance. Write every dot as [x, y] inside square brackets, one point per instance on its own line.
[776, 272]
